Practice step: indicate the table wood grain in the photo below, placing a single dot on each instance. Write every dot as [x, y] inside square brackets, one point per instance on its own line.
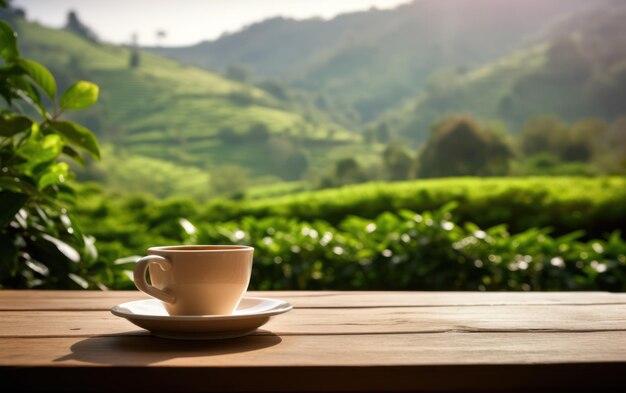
[332, 341]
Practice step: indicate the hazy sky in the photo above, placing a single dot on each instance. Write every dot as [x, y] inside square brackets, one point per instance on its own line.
[185, 21]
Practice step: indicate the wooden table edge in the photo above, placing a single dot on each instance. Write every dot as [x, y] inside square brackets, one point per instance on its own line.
[602, 376]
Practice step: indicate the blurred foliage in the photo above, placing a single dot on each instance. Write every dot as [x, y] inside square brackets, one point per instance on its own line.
[345, 171]
[292, 248]
[546, 164]
[40, 244]
[597, 205]
[420, 251]
[230, 181]
[132, 173]
[393, 251]
[399, 162]
[461, 146]
[579, 142]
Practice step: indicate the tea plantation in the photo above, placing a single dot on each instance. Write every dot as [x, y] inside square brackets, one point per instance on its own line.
[448, 234]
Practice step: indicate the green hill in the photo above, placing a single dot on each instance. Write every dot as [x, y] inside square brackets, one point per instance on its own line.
[580, 71]
[194, 119]
[373, 60]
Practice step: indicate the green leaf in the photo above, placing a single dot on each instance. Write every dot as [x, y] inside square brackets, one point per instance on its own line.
[10, 126]
[37, 267]
[11, 203]
[28, 92]
[39, 150]
[68, 251]
[6, 93]
[22, 184]
[77, 135]
[54, 174]
[10, 70]
[80, 95]
[84, 284]
[74, 155]
[42, 77]
[66, 192]
[8, 42]
[127, 260]
[8, 256]
[90, 251]
[3, 4]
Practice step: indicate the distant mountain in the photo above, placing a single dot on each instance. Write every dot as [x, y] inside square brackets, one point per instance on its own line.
[375, 59]
[578, 71]
[187, 115]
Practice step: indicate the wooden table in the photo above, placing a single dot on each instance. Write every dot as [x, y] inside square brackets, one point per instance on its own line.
[332, 341]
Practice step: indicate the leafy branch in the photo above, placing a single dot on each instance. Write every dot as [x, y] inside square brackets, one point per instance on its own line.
[40, 245]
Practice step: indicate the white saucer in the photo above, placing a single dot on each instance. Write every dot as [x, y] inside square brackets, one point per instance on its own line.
[251, 313]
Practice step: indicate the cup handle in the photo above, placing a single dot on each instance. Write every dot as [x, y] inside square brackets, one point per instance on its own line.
[139, 277]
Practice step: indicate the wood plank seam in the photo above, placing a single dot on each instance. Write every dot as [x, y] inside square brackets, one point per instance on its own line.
[270, 333]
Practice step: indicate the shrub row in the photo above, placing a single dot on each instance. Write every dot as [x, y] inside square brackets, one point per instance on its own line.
[403, 251]
[565, 204]
[426, 251]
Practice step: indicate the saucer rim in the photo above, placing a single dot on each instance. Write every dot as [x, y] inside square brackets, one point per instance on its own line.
[283, 307]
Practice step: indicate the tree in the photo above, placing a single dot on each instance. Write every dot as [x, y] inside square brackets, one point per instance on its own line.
[506, 107]
[369, 135]
[617, 134]
[398, 161]
[230, 181]
[346, 167]
[242, 96]
[575, 143]
[461, 146]
[583, 140]
[74, 25]
[288, 160]
[617, 141]
[258, 133]
[345, 171]
[134, 60]
[331, 133]
[229, 135]
[160, 36]
[383, 134]
[275, 88]
[541, 134]
[296, 164]
[322, 103]
[238, 73]
[11, 13]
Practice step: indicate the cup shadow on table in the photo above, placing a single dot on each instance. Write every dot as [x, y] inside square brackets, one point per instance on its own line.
[142, 348]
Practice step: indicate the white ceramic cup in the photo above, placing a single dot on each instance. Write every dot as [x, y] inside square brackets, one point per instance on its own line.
[196, 280]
